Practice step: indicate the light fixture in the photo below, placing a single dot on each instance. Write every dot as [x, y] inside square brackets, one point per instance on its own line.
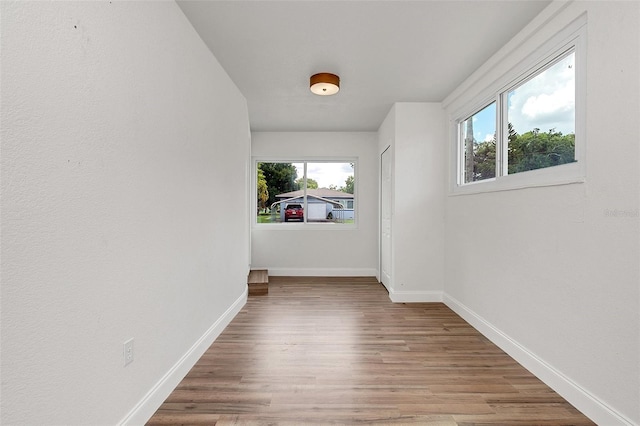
[324, 84]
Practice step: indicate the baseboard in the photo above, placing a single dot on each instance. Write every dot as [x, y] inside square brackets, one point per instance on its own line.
[415, 296]
[144, 409]
[583, 400]
[321, 272]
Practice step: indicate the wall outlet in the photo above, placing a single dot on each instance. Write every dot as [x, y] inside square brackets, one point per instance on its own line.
[128, 352]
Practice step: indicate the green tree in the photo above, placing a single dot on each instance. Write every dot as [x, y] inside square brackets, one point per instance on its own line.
[311, 183]
[263, 190]
[484, 160]
[280, 178]
[535, 150]
[529, 151]
[349, 184]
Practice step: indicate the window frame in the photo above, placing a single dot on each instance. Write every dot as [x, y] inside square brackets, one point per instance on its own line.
[571, 39]
[303, 225]
[460, 142]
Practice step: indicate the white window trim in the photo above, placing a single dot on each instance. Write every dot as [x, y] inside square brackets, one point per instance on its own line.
[571, 37]
[302, 225]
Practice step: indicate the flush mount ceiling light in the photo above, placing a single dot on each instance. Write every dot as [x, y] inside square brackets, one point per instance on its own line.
[324, 84]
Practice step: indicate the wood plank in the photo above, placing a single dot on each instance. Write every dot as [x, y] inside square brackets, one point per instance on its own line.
[258, 282]
[258, 276]
[319, 350]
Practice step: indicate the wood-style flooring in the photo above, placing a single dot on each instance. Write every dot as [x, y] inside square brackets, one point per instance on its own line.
[337, 351]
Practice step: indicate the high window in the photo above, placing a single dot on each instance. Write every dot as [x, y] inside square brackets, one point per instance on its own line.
[540, 118]
[528, 130]
[304, 192]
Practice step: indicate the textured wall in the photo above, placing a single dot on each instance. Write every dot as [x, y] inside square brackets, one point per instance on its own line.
[417, 135]
[122, 141]
[552, 267]
[418, 218]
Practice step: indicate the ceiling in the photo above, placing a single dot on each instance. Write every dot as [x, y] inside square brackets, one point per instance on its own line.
[383, 51]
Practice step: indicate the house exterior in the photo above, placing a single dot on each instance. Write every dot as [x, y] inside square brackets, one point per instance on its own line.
[323, 204]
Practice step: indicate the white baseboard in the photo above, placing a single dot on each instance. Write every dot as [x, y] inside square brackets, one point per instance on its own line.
[415, 296]
[322, 272]
[150, 403]
[583, 400]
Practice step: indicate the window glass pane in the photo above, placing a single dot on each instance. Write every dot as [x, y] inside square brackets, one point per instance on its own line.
[330, 192]
[478, 135]
[541, 119]
[276, 186]
[328, 196]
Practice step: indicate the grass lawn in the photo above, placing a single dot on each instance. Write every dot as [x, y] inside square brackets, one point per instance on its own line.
[267, 218]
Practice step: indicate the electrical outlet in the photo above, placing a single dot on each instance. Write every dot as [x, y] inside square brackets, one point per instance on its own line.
[128, 352]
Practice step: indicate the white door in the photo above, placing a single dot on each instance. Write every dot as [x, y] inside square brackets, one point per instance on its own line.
[317, 211]
[385, 218]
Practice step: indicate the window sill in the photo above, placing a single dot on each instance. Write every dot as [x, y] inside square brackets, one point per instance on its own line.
[305, 226]
[553, 176]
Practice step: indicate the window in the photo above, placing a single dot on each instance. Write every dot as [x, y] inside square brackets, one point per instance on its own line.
[305, 192]
[527, 131]
[479, 150]
[541, 118]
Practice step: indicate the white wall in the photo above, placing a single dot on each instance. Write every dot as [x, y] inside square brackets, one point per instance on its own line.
[417, 134]
[547, 272]
[386, 146]
[120, 135]
[321, 250]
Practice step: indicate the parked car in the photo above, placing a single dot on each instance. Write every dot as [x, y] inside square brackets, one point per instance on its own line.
[294, 211]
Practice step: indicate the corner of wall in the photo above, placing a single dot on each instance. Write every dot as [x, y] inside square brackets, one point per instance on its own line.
[149, 404]
[589, 404]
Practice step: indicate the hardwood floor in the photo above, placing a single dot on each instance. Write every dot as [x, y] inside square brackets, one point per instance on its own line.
[337, 351]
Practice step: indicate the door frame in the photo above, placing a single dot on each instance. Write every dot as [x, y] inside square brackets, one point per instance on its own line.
[388, 285]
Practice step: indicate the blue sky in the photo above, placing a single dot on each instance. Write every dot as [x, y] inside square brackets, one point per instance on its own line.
[484, 123]
[326, 174]
[546, 101]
